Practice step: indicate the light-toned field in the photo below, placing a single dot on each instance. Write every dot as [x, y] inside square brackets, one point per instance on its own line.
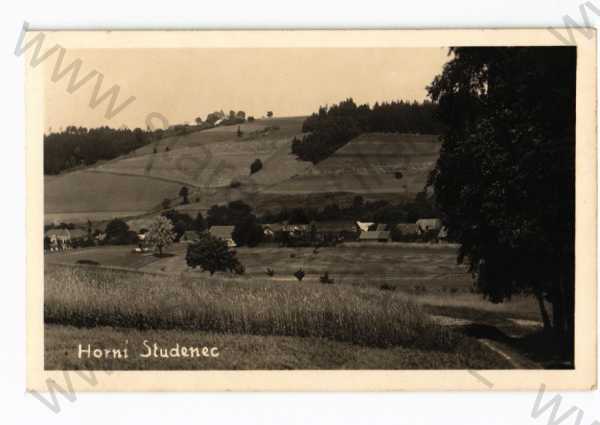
[113, 256]
[204, 161]
[213, 158]
[288, 128]
[368, 163]
[120, 306]
[91, 193]
[423, 285]
[215, 165]
[428, 273]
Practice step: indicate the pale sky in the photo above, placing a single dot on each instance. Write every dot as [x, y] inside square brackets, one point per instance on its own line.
[182, 84]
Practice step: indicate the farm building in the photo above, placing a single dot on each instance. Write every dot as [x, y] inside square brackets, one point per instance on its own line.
[224, 233]
[190, 236]
[364, 226]
[374, 236]
[60, 239]
[426, 225]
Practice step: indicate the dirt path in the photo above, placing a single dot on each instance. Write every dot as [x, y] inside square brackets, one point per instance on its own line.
[516, 359]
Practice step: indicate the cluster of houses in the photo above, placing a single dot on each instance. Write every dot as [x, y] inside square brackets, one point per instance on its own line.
[316, 233]
[332, 232]
[63, 239]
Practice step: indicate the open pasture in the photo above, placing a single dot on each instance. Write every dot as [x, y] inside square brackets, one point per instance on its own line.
[259, 129]
[369, 164]
[90, 193]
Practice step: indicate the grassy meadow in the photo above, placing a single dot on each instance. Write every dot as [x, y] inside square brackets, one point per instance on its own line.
[294, 315]
[368, 164]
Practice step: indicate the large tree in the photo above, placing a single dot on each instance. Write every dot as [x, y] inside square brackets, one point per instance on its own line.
[211, 254]
[505, 178]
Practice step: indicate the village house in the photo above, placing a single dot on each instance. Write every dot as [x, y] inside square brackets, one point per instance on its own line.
[60, 239]
[223, 233]
[428, 225]
[374, 236]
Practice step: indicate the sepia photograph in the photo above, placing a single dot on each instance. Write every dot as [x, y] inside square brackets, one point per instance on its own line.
[302, 208]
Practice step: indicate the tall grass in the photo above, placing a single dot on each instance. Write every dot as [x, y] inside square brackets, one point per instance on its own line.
[366, 316]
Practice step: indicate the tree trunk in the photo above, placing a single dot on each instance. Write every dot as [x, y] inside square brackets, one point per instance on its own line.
[543, 311]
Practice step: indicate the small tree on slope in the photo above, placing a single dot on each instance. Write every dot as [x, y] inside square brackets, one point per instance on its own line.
[161, 233]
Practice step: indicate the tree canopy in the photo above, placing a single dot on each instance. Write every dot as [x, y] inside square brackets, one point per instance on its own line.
[211, 254]
[161, 234]
[505, 178]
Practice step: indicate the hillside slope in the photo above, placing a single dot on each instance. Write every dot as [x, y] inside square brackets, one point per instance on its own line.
[206, 161]
[372, 163]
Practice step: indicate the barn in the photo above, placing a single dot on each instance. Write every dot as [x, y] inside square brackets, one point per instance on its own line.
[374, 236]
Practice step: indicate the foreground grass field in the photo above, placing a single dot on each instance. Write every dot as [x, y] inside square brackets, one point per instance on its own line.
[248, 352]
[359, 315]
[176, 309]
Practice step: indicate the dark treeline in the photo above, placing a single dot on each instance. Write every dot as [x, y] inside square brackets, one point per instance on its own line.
[333, 127]
[378, 211]
[77, 146]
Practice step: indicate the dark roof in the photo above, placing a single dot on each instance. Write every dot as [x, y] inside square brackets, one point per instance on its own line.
[374, 235]
[223, 232]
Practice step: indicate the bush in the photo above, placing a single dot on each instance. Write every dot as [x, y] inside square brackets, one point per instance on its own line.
[386, 287]
[270, 272]
[88, 262]
[239, 268]
[256, 166]
[248, 232]
[299, 274]
[211, 254]
[117, 232]
[235, 184]
[325, 278]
